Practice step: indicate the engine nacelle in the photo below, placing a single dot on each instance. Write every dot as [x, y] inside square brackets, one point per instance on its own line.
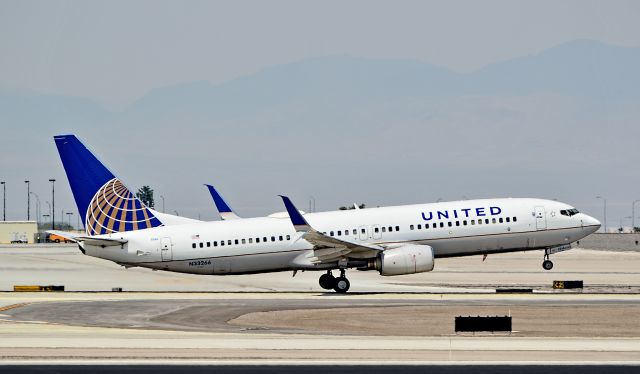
[408, 259]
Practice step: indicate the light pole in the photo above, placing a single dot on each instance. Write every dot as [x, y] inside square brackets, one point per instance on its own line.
[28, 200]
[37, 207]
[4, 201]
[162, 197]
[69, 214]
[604, 199]
[633, 215]
[312, 204]
[53, 202]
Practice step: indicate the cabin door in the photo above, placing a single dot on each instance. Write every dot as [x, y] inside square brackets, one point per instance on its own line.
[363, 233]
[541, 218]
[165, 249]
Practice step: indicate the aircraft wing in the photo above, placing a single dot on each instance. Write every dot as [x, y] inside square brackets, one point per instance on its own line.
[326, 248]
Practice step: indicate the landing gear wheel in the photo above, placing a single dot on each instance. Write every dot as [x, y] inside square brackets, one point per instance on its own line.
[342, 285]
[327, 281]
[547, 265]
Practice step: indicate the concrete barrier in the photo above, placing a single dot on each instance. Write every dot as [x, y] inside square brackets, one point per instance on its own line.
[611, 242]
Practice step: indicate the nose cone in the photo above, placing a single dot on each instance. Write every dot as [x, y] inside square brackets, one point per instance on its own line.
[590, 223]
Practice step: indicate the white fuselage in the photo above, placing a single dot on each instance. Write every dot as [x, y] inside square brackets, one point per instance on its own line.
[271, 243]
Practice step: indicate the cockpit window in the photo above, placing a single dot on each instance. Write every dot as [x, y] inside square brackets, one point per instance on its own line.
[569, 212]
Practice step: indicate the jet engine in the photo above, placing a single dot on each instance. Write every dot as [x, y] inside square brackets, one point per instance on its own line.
[407, 259]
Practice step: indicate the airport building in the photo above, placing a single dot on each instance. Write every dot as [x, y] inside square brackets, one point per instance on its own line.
[18, 231]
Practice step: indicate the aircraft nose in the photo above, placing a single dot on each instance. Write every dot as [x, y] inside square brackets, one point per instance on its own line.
[592, 222]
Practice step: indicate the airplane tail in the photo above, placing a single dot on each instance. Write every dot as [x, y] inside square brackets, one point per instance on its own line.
[103, 201]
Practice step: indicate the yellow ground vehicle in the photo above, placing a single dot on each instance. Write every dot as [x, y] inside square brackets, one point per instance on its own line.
[53, 238]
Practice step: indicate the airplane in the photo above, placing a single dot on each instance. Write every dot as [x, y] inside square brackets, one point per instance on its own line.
[393, 240]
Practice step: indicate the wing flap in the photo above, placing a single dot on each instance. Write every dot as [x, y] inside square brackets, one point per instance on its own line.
[325, 248]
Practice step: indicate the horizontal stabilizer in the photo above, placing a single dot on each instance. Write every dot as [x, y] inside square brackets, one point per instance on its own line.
[100, 242]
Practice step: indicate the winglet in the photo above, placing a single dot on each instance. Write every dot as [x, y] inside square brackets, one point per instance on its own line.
[225, 210]
[298, 221]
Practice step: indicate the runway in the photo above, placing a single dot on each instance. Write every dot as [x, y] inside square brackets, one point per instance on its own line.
[385, 320]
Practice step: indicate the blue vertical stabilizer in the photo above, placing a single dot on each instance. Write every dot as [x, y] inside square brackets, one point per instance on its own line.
[104, 203]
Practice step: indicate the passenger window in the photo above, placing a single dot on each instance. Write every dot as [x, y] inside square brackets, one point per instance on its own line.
[229, 242]
[441, 224]
[215, 244]
[426, 226]
[264, 239]
[473, 222]
[244, 241]
[500, 219]
[288, 237]
[273, 238]
[237, 242]
[397, 228]
[457, 223]
[515, 219]
[201, 244]
[280, 238]
[331, 233]
[257, 240]
[208, 244]
[508, 219]
[390, 228]
[222, 243]
[339, 232]
[384, 229]
[449, 224]
[411, 227]
[419, 226]
[250, 240]
[364, 231]
[493, 220]
[464, 223]
[479, 222]
[486, 221]
[193, 245]
[376, 229]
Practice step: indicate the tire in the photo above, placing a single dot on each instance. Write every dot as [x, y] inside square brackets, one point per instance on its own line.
[57, 240]
[342, 285]
[547, 265]
[327, 281]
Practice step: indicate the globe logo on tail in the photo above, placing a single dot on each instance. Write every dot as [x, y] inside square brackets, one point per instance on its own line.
[115, 209]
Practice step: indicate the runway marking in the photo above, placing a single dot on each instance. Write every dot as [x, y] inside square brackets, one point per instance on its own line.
[12, 306]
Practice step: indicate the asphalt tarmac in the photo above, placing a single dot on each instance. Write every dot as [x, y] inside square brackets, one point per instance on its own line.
[275, 318]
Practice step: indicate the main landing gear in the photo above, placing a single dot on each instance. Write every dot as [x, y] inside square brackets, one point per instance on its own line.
[340, 284]
[547, 264]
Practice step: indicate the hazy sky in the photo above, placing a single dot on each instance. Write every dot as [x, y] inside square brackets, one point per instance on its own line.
[116, 51]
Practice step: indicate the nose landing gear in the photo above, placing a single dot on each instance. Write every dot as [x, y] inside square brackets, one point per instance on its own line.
[340, 284]
[547, 264]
